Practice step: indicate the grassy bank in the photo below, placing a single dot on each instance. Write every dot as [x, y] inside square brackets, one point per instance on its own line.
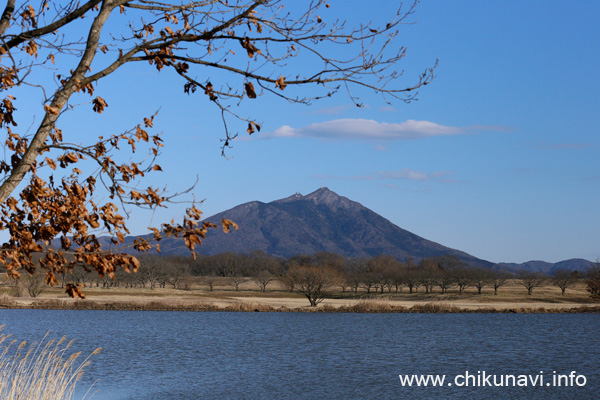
[364, 306]
[262, 304]
[510, 299]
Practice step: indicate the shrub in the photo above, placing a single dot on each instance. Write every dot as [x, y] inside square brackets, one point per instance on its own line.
[593, 281]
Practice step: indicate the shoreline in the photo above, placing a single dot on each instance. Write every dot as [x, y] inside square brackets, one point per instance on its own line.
[221, 298]
[269, 304]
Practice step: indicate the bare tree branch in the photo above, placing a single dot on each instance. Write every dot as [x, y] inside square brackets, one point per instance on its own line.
[255, 48]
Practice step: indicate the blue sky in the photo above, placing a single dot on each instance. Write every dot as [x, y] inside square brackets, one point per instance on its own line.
[517, 81]
[499, 157]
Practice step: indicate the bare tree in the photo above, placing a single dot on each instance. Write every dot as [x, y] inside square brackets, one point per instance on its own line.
[226, 264]
[210, 280]
[383, 268]
[531, 280]
[497, 280]
[264, 268]
[313, 282]
[428, 271]
[355, 269]
[398, 277]
[152, 270]
[563, 279]
[445, 280]
[458, 270]
[480, 278]
[177, 273]
[464, 277]
[262, 279]
[288, 281]
[65, 50]
[413, 279]
[261, 261]
[593, 280]
[368, 281]
[78, 276]
[354, 279]
[34, 284]
[237, 281]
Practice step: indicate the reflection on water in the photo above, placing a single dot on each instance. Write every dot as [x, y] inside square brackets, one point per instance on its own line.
[177, 355]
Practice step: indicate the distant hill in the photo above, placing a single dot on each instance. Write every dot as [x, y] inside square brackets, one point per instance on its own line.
[574, 264]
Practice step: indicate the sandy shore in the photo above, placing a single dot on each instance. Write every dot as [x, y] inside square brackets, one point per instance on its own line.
[200, 300]
[337, 303]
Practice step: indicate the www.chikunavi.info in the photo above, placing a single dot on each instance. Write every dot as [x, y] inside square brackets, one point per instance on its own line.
[483, 379]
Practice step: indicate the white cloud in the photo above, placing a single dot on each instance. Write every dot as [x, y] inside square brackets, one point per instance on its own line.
[368, 129]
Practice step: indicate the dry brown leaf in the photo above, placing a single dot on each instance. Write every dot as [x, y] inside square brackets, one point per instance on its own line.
[31, 48]
[99, 105]
[251, 126]
[209, 91]
[51, 110]
[280, 83]
[50, 163]
[250, 48]
[250, 90]
[227, 224]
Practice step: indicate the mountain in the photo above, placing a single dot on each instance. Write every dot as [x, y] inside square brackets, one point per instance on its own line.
[324, 221]
[574, 264]
[320, 221]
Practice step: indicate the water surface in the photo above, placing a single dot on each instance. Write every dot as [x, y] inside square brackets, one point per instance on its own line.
[212, 355]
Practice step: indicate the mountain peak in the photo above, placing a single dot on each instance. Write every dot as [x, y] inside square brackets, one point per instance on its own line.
[319, 196]
[324, 196]
[321, 192]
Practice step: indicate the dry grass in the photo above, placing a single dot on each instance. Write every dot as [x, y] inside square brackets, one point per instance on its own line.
[435, 308]
[40, 371]
[247, 307]
[373, 306]
[511, 298]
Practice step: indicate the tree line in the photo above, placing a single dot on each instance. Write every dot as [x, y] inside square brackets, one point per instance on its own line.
[319, 275]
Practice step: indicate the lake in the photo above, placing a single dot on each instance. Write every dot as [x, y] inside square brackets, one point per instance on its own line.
[219, 355]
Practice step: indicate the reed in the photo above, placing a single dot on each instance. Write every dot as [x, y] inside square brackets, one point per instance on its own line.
[39, 371]
[372, 306]
[436, 308]
[247, 307]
